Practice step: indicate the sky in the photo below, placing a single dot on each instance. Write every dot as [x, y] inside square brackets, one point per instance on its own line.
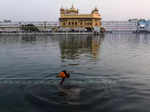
[48, 10]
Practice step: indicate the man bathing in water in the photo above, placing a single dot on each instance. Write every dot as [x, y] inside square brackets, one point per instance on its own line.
[64, 74]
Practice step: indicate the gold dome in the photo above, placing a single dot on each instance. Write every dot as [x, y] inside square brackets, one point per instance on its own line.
[96, 9]
[62, 9]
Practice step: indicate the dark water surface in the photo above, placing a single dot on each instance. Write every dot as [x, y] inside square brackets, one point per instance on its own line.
[109, 73]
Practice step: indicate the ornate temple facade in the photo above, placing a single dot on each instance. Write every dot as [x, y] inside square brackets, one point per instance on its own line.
[70, 18]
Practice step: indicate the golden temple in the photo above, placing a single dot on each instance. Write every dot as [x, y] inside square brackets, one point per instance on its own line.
[70, 18]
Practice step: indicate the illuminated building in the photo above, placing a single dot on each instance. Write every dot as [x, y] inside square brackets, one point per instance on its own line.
[70, 18]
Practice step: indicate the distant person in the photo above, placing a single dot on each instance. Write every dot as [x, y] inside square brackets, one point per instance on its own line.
[64, 74]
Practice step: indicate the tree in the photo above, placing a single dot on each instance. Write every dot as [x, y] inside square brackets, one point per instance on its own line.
[29, 28]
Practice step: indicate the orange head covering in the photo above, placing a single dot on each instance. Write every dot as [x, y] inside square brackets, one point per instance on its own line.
[63, 74]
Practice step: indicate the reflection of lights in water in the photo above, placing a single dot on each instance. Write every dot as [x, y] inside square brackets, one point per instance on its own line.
[74, 47]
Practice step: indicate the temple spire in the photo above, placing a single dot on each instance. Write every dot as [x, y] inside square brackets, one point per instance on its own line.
[72, 6]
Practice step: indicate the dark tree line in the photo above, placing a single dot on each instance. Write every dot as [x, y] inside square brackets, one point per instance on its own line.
[29, 28]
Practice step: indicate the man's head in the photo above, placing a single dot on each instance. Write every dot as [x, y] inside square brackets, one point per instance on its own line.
[66, 73]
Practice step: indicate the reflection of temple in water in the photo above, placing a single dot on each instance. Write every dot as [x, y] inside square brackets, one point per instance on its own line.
[72, 47]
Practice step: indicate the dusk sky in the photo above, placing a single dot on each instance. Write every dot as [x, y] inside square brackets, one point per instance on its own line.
[48, 10]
